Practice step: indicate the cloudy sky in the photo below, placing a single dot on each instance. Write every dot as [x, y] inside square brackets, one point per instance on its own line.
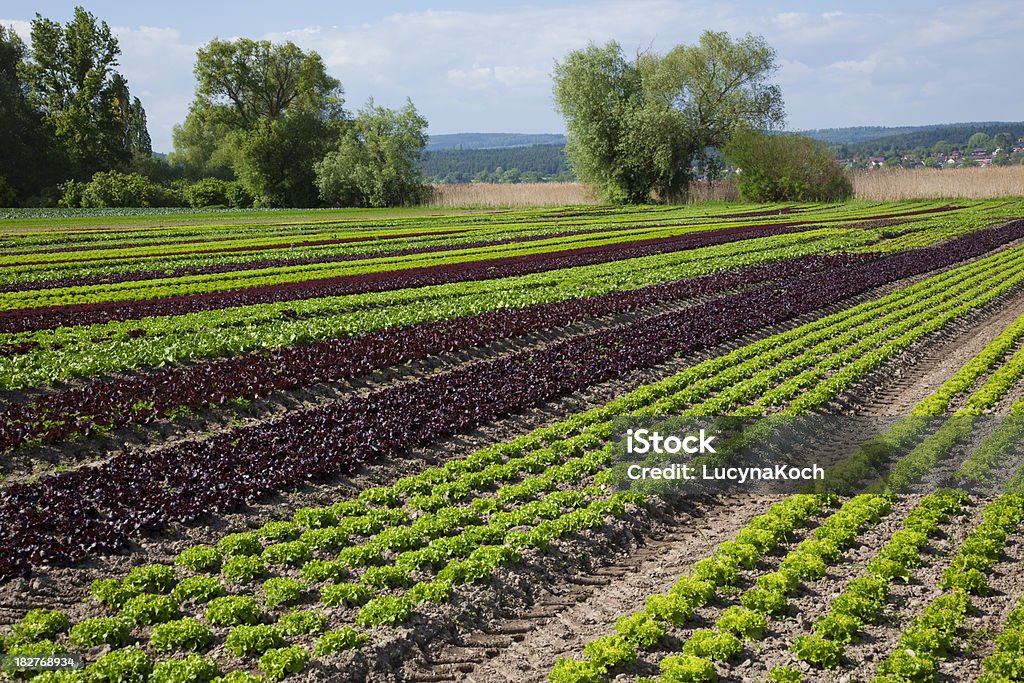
[486, 66]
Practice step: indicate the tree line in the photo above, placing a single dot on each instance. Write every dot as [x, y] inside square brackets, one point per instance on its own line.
[267, 127]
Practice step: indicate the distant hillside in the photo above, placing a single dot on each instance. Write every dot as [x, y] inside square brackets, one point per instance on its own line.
[492, 140]
[497, 165]
[908, 137]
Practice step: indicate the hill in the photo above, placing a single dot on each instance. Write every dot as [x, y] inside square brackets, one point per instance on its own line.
[493, 140]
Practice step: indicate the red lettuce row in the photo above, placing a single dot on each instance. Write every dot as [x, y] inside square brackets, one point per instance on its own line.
[123, 401]
[66, 516]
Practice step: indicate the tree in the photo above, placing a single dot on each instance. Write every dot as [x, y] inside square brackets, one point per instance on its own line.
[266, 111]
[649, 124]
[979, 141]
[377, 162]
[785, 167]
[72, 81]
[28, 157]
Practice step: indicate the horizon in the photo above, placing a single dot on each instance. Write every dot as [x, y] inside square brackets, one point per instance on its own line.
[841, 65]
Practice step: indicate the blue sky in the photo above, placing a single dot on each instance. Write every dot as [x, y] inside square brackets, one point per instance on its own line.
[485, 66]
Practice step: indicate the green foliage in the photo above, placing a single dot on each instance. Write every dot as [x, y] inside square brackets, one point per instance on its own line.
[670, 608]
[282, 590]
[239, 677]
[765, 601]
[387, 577]
[345, 594]
[233, 610]
[785, 167]
[150, 609]
[301, 622]
[251, 640]
[241, 568]
[637, 126]
[280, 662]
[295, 553]
[573, 671]
[718, 647]
[687, 669]
[186, 634]
[640, 630]
[154, 578]
[384, 610]
[130, 665]
[336, 641]
[198, 588]
[609, 652]
[818, 651]
[742, 622]
[112, 592]
[785, 674]
[117, 189]
[377, 161]
[279, 531]
[215, 193]
[244, 543]
[199, 558]
[100, 631]
[838, 626]
[192, 669]
[323, 570]
[36, 625]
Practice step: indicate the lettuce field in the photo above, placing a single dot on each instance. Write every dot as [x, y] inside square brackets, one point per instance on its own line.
[371, 446]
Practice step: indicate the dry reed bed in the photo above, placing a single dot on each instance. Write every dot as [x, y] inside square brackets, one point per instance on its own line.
[934, 183]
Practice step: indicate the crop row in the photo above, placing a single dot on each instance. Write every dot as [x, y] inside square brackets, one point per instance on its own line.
[208, 292]
[1006, 663]
[105, 404]
[50, 355]
[99, 508]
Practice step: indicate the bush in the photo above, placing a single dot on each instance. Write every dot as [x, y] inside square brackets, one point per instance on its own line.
[130, 665]
[115, 189]
[193, 669]
[100, 631]
[187, 634]
[253, 640]
[280, 662]
[785, 167]
[207, 192]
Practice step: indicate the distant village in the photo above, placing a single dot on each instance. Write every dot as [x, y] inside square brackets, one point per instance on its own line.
[980, 151]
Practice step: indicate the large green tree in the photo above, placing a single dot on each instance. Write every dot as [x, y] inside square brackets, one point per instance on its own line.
[265, 111]
[71, 79]
[28, 157]
[648, 124]
[377, 162]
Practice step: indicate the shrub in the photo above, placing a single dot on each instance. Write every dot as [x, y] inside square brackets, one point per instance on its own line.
[252, 640]
[233, 610]
[150, 609]
[186, 634]
[130, 665]
[243, 568]
[336, 641]
[279, 662]
[192, 669]
[154, 578]
[115, 189]
[198, 588]
[785, 167]
[199, 558]
[282, 591]
[100, 631]
[206, 192]
[299, 623]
